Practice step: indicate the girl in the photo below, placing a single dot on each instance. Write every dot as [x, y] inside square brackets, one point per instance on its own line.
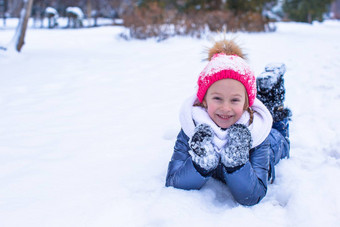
[227, 133]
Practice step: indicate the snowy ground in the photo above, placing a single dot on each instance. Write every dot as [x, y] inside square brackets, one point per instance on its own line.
[88, 123]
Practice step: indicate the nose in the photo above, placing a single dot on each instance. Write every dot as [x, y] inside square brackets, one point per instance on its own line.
[226, 106]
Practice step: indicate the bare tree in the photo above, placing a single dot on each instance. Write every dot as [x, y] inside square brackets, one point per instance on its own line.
[22, 26]
[18, 39]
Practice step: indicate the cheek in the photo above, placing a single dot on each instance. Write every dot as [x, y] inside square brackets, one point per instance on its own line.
[211, 109]
[240, 110]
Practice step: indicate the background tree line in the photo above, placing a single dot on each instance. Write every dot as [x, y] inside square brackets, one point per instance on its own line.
[164, 18]
[297, 10]
[107, 8]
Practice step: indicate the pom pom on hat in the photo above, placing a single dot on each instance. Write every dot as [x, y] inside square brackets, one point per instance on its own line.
[228, 47]
[226, 61]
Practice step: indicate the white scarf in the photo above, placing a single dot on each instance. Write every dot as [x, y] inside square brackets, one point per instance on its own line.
[260, 128]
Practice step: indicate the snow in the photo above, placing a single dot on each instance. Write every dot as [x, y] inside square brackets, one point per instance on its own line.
[203, 152]
[226, 62]
[277, 68]
[76, 11]
[236, 153]
[52, 11]
[267, 80]
[270, 76]
[88, 123]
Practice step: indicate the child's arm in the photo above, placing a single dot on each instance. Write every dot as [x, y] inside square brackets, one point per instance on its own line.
[248, 184]
[181, 170]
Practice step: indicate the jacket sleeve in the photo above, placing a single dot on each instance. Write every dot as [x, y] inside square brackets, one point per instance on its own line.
[181, 171]
[248, 185]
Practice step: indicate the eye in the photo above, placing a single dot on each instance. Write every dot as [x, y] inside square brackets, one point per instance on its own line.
[235, 100]
[217, 98]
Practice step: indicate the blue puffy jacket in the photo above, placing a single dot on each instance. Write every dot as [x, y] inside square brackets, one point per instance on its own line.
[248, 184]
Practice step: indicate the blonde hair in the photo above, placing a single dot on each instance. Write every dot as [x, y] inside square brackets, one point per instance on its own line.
[249, 110]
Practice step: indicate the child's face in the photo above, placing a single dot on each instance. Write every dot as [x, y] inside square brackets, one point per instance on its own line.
[225, 102]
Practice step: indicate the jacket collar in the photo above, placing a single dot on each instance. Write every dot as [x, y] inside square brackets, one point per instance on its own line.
[190, 116]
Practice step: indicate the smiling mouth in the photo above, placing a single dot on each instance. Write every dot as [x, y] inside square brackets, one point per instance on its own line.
[224, 117]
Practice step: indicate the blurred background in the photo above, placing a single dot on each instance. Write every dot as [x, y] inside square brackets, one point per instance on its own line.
[166, 18]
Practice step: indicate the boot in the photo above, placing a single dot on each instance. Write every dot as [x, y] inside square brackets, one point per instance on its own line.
[271, 91]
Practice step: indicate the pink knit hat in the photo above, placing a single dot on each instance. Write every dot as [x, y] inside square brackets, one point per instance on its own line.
[226, 62]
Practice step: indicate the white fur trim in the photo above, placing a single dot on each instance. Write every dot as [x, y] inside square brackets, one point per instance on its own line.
[191, 115]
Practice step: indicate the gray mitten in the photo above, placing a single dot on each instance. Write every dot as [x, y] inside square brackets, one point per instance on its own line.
[202, 150]
[236, 151]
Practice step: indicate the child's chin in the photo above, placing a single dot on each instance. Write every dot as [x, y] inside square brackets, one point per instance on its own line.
[223, 126]
[223, 123]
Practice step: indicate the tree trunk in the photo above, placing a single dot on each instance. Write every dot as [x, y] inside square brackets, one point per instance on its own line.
[24, 16]
[309, 17]
[89, 11]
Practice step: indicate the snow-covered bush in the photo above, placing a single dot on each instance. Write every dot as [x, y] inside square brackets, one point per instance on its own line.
[75, 17]
[52, 15]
